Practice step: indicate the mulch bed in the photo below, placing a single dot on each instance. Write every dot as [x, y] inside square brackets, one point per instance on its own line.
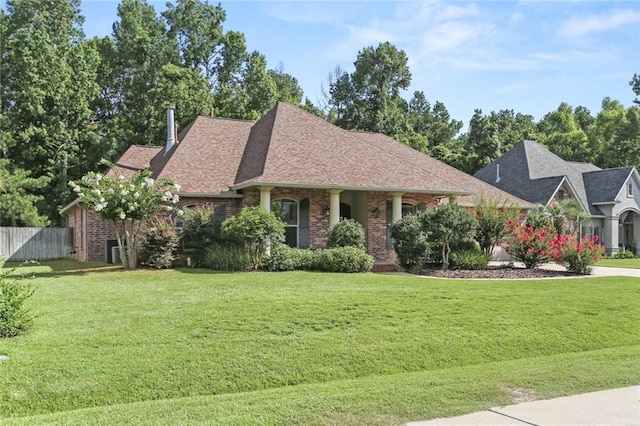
[497, 273]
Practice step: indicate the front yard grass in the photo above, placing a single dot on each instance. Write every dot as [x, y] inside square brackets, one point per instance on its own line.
[620, 263]
[191, 346]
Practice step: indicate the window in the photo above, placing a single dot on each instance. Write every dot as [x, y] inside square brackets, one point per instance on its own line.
[630, 190]
[287, 210]
[408, 209]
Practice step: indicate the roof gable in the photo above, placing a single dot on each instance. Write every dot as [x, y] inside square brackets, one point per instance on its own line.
[603, 186]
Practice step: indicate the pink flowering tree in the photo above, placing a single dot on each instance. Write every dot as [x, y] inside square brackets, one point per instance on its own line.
[128, 204]
[577, 255]
[529, 245]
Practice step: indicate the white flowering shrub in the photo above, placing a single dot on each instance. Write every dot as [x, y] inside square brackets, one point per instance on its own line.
[128, 203]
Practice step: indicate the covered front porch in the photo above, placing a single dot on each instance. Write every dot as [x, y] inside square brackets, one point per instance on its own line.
[622, 232]
[308, 213]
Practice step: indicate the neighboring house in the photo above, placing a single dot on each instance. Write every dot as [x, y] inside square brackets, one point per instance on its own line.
[611, 197]
[310, 171]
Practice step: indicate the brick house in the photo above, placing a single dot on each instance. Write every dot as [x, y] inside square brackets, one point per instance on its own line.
[610, 197]
[311, 171]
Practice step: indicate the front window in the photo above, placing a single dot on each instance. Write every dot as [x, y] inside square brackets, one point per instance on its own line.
[287, 210]
[408, 209]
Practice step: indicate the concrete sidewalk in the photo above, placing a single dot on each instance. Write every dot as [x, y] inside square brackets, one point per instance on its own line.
[619, 407]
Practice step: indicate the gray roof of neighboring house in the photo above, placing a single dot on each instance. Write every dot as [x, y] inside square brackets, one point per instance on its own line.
[603, 185]
[532, 172]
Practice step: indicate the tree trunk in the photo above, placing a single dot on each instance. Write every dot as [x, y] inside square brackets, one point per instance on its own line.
[121, 247]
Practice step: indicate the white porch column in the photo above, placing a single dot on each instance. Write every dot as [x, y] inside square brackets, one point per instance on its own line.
[636, 231]
[265, 197]
[610, 234]
[396, 209]
[334, 206]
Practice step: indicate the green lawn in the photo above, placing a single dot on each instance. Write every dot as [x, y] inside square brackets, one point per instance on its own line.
[620, 263]
[194, 347]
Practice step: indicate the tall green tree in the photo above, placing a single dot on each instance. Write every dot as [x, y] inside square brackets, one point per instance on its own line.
[287, 87]
[635, 86]
[490, 136]
[613, 135]
[48, 80]
[369, 98]
[561, 133]
[18, 202]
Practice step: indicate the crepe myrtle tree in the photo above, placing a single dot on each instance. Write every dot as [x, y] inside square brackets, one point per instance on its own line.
[127, 203]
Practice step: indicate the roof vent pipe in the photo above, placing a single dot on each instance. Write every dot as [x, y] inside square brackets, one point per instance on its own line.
[171, 141]
[497, 173]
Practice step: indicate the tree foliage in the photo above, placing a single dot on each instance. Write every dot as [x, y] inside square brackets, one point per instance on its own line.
[446, 224]
[256, 228]
[128, 204]
[18, 199]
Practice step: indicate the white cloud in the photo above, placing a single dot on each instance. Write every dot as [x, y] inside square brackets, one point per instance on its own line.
[578, 26]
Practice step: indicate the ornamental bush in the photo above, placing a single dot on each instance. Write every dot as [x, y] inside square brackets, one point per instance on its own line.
[342, 259]
[492, 223]
[576, 255]
[159, 244]
[528, 244]
[227, 257]
[347, 233]
[200, 230]
[446, 225]
[470, 259]
[627, 254]
[285, 258]
[410, 242]
[256, 229]
[15, 316]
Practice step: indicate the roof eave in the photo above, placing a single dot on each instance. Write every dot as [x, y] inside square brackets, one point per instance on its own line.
[69, 206]
[223, 194]
[254, 184]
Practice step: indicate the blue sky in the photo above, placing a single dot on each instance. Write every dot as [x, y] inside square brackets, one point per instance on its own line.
[526, 55]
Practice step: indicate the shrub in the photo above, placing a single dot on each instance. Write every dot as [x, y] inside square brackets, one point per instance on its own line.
[285, 258]
[159, 244]
[342, 259]
[15, 317]
[410, 242]
[529, 245]
[447, 224]
[256, 228]
[347, 233]
[470, 259]
[200, 230]
[577, 255]
[626, 254]
[537, 219]
[492, 223]
[227, 257]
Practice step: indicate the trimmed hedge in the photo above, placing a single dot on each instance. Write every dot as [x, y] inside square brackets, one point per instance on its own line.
[338, 259]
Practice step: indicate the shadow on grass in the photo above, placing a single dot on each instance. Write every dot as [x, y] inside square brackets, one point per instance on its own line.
[52, 268]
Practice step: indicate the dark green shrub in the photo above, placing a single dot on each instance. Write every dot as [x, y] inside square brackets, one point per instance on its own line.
[159, 244]
[343, 259]
[227, 257]
[285, 258]
[627, 254]
[470, 259]
[347, 233]
[447, 224]
[256, 228]
[410, 242]
[15, 317]
[200, 230]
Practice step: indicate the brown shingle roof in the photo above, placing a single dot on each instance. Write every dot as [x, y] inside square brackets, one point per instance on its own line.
[304, 150]
[136, 157]
[206, 159]
[290, 147]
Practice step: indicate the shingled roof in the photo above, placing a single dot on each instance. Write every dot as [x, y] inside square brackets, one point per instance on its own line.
[533, 173]
[291, 147]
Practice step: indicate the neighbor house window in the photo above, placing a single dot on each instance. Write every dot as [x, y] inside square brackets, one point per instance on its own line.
[630, 190]
[287, 210]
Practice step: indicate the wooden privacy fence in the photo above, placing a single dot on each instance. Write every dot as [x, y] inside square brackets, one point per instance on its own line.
[20, 244]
